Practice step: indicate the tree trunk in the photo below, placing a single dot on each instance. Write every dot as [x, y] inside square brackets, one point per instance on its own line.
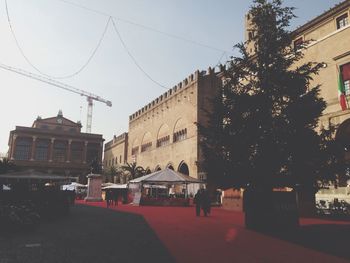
[266, 210]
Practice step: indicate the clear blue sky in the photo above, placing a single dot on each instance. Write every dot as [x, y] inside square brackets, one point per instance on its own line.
[58, 37]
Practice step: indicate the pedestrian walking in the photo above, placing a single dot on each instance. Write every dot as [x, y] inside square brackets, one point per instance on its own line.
[108, 197]
[197, 202]
[115, 198]
[205, 202]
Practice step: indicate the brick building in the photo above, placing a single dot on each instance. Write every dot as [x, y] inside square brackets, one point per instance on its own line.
[55, 145]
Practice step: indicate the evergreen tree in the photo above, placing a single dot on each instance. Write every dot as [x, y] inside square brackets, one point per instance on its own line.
[333, 168]
[262, 127]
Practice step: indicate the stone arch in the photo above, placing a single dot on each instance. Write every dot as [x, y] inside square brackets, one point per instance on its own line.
[146, 143]
[183, 168]
[147, 137]
[135, 147]
[180, 130]
[163, 136]
[170, 166]
[148, 171]
[158, 168]
[179, 125]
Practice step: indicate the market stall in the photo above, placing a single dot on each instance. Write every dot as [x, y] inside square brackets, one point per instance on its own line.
[165, 187]
[121, 190]
[79, 189]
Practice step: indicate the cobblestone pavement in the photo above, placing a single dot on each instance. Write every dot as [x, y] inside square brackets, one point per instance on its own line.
[88, 234]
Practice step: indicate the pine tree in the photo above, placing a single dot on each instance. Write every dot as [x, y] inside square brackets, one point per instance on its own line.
[333, 167]
[262, 127]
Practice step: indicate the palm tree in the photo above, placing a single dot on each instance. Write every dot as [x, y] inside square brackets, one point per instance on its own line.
[134, 170]
[113, 171]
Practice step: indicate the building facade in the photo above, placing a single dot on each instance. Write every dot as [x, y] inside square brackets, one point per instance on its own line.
[164, 132]
[55, 145]
[324, 39]
[115, 151]
[327, 39]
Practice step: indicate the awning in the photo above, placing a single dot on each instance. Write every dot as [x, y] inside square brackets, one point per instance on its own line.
[116, 186]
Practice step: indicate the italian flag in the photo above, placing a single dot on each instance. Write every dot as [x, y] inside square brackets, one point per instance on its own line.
[341, 92]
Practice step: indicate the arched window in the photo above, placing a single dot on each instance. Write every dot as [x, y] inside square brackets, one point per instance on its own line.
[183, 168]
[146, 144]
[180, 130]
[163, 137]
[135, 147]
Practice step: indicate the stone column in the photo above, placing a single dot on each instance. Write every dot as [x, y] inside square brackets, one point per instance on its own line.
[51, 149]
[69, 151]
[13, 146]
[85, 151]
[32, 156]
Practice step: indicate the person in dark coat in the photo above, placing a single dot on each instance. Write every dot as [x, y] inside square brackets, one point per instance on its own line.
[115, 198]
[197, 201]
[108, 197]
[205, 202]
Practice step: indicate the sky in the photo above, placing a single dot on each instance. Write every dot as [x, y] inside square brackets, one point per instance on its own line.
[168, 40]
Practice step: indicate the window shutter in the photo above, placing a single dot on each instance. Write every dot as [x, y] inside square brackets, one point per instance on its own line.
[345, 70]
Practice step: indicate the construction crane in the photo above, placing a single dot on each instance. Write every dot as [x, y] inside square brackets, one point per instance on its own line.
[89, 96]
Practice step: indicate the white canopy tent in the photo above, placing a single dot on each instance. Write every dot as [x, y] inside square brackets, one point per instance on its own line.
[73, 186]
[166, 176]
[165, 184]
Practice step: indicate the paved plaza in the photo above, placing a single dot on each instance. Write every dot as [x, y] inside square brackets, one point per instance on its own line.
[126, 233]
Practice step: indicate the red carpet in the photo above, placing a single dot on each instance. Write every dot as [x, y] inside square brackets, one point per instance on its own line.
[221, 237]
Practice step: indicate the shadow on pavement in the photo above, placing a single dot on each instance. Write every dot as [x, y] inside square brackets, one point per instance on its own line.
[88, 234]
[333, 239]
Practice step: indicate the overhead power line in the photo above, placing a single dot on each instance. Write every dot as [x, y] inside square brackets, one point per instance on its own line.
[132, 57]
[110, 19]
[145, 27]
[221, 57]
[37, 68]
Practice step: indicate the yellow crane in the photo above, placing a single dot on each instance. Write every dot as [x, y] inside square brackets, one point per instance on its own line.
[90, 97]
